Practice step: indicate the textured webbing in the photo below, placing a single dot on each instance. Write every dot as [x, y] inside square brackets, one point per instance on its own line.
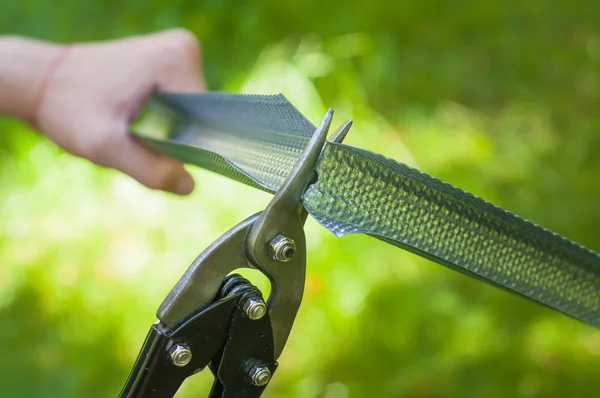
[258, 139]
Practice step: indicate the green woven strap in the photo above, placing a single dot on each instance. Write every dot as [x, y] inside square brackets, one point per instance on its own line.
[257, 140]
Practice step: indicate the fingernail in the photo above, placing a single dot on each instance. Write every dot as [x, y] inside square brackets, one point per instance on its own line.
[185, 185]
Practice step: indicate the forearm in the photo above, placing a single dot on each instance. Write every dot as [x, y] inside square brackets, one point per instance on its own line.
[23, 63]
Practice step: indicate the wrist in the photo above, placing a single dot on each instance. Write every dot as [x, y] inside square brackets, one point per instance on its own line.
[23, 64]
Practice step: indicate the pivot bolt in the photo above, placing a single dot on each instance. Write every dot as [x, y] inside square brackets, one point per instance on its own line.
[255, 308]
[283, 248]
[260, 375]
[180, 354]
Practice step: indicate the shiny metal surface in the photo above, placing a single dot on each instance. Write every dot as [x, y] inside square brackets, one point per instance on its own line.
[283, 215]
[255, 308]
[260, 375]
[199, 285]
[180, 355]
[282, 248]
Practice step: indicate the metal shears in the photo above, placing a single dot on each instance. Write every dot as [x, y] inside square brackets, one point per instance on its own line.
[215, 319]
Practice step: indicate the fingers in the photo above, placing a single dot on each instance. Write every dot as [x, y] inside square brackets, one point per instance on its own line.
[179, 70]
[148, 167]
[176, 56]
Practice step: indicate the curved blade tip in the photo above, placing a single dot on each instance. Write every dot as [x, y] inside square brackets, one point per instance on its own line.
[338, 136]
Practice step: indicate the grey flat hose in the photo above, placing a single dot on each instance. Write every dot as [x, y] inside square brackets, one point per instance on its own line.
[257, 139]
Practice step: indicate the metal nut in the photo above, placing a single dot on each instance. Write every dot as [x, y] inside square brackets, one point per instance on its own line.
[180, 354]
[283, 248]
[255, 308]
[260, 375]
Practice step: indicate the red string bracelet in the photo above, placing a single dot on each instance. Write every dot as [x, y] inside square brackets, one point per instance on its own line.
[41, 90]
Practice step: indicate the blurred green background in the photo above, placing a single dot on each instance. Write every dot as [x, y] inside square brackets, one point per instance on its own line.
[499, 98]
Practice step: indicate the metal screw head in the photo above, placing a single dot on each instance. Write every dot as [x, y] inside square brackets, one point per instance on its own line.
[260, 375]
[283, 248]
[180, 354]
[255, 308]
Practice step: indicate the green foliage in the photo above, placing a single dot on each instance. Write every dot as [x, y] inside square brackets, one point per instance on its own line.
[499, 98]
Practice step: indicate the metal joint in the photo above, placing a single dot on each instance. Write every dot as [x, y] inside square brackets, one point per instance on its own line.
[260, 375]
[255, 308]
[282, 248]
[180, 355]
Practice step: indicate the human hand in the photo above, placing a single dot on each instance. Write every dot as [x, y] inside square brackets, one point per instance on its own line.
[97, 91]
